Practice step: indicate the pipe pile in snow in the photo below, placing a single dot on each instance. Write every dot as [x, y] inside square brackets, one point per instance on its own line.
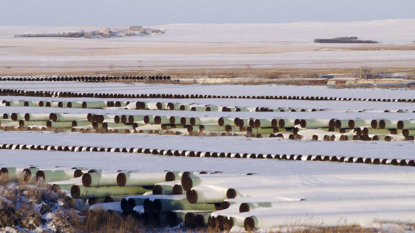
[140, 179]
[79, 191]
[96, 178]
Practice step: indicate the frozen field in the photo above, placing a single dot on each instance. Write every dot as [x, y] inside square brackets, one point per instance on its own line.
[335, 192]
[213, 46]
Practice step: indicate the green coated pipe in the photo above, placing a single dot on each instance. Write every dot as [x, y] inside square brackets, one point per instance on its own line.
[55, 174]
[94, 105]
[135, 118]
[95, 178]
[406, 124]
[12, 171]
[62, 124]
[74, 104]
[36, 117]
[223, 121]
[177, 202]
[140, 179]
[23, 123]
[80, 192]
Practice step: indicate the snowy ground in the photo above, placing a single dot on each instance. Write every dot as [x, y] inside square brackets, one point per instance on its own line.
[213, 46]
[378, 181]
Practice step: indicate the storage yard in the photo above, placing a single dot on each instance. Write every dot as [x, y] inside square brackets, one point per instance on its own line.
[210, 128]
[209, 156]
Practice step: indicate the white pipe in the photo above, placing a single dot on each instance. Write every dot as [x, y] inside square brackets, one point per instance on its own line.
[206, 194]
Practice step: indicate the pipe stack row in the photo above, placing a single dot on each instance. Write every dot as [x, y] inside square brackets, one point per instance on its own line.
[213, 154]
[16, 92]
[89, 78]
[140, 105]
[172, 106]
[293, 129]
[224, 201]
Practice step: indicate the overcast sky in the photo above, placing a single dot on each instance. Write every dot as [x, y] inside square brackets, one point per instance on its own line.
[158, 12]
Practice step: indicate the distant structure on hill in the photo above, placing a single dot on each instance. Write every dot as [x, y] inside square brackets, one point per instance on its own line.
[136, 28]
[351, 39]
[103, 33]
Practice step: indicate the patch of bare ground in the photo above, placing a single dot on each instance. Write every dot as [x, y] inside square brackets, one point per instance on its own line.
[32, 206]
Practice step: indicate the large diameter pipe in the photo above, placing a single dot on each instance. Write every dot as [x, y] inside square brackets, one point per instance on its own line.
[408, 132]
[287, 123]
[177, 202]
[263, 123]
[161, 120]
[242, 122]
[212, 108]
[36, 117]
[367, 131]
[81, 123]
[175, 120]
[74, 104]
[175, 217]
[192, 180]
[201, 220]
[174, 106]
[80, 192]
[63, 124]
[97, 179]
[17, 116]
[388, 124]
[23, 123]
[15, 103]
[206, 194]
[28, 172]
[342, 124]
[135, 118]
[56, 174]
[232, 128]
[65, 185]
[140, 179]
[358, 123]
[223, 121]
[94, 104]
[185, 120]
[109, 125]
[202, 120]
[9, 123]
[148, 119]
[11, 171]
[164, 188]
[407, 124]
[57, 117]
[190, 217]
[211, 128]
[31, 103]
[314, 123]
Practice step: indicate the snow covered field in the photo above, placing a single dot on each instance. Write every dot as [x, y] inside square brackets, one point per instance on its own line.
[213, 46]
[332, 190]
